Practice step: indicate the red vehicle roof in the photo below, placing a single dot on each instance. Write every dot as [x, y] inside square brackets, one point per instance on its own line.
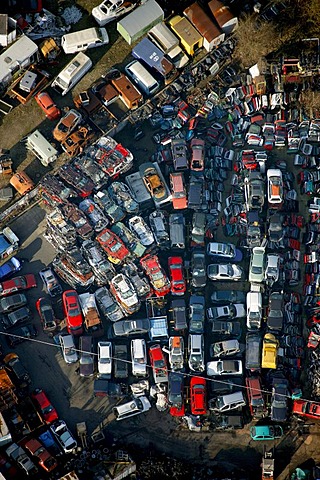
[49, 413]
[178, 284]
[306, 409]
[198, 396]
[72, 312]
[18, 283]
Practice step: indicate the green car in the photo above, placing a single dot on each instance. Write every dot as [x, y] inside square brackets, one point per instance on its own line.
[266, 432]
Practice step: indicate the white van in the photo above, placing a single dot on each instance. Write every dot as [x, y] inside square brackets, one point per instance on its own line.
[166, 40]
[139, 357]
[142, 78]
[72, 73]
[83, 39]
[132, 408]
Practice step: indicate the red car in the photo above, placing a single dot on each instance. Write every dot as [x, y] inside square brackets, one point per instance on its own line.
[177, 412]
[45, 459]
[198, 396]
[306, 408]
[72, 311]
[17, 284]
[158, 279]
[158, 363]
[178, 283]
[46, 103]
[41, 400]
[115, 249]
[46, 314]
[197, 160]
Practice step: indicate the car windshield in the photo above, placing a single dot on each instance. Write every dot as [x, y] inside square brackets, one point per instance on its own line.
[230, 271]
[69, 351]
[257, 270]
[74, 312]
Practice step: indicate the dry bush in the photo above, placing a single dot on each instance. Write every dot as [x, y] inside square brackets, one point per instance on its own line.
[310, 102]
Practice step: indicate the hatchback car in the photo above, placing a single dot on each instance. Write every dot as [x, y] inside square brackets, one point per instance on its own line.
[46, 103]
[198, 270]
[224, 271]
[225, 252]
[179, 314]
[68, 349]
[272, 272]
[275, 229]
[257, 265]
[63, 436]
[48, 412]
[198, 396]
[266, 432]
[225, 348]
[108, 305]
[178, 283]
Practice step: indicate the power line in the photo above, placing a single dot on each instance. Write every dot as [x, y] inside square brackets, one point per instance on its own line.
[184, 374]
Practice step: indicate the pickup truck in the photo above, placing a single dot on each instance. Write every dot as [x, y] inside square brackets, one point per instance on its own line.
[91, 315]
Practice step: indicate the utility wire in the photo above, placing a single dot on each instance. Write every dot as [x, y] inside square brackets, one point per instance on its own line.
[184, 374]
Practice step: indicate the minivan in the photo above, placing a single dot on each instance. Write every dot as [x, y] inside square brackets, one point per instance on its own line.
[232, 401]
[139, 357]
[255, 397]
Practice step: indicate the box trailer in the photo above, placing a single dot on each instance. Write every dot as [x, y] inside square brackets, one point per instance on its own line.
[212, 34]
[72, 73]
[165, 39]
[41, 148]
[138, 22]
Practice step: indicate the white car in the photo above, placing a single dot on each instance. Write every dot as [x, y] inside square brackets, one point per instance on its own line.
[68, 349]
[272, 269]
[104, 359]
[132, 408]
[139, 228]
[225, 271]
[50, 282]
[176, 353]
[63, 436]
[235, 310]
[139, 357]
[196, 353]
[275, 187]
[125, 293]
[254, 310]
[110, 10]
[224, 367]
[224, 348]
[257, 265]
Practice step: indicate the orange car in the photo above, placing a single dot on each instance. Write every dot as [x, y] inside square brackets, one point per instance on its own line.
[66, 125]
[46, 103]
[22, 183]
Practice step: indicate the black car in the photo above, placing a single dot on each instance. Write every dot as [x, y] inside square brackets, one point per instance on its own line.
[228, 296]
[86, 363]
[198, 270]
[275, 314]
[275, 229]
[228, 422]
[121, 361]
[179, 314]
[20, 334]
[131, 327]
[196, 314]
[279, 400]
[227, 328]
[13, 302]
[18, 371]
[175, 389]
[10, 320]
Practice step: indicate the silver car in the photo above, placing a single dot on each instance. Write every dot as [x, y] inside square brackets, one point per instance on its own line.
[68, 349]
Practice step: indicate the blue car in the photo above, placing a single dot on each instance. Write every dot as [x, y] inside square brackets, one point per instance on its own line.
[10, 267]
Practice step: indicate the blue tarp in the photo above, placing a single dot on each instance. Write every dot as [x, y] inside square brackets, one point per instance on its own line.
[4, 244]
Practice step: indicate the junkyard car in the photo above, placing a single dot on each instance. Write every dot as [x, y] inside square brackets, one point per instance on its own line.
[46, 314]
[121, 194]
[153, 182]
[275, 313]
[198, 269]
[134, 407]
[196, 353]
[196, 314]
[279, 400]
[12, 302]
[131, 327]
[257, 265]
[272, 272]
[306, 408]
[113, 246]
[159, 227]
[20, 334]
[157, 277]
[50, 282]
[17, 284]
[94, 213]
[275, 229]
[224, 367]
[15, 318]
[74, 177]
[178, 283]
[104, 359]
[10, 267]
[139, 281]
[21, 458]
[108, 305]
[46, 103]
[68, 349]
[227, 271]
[78, 220]
[198, 394]
[63, 436]
[233, 310]
[44, 458]
[66, 125]
[103, 270]
[228, 296]
[227, 328]
[224, 252]
[139, 227]
[199, 221]
[112, 211]
[225, 348]
[158, 364]
[176, 353]
[17, 369]
[42, 402]
[125, 293]
[266, 432]
[175, 389]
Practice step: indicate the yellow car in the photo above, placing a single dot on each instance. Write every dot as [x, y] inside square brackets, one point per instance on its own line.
[269, 351]
[154, 183]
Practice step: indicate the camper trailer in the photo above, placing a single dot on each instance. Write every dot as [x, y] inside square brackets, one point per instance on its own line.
[72, 73]
[41, 148]
[164, 39]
